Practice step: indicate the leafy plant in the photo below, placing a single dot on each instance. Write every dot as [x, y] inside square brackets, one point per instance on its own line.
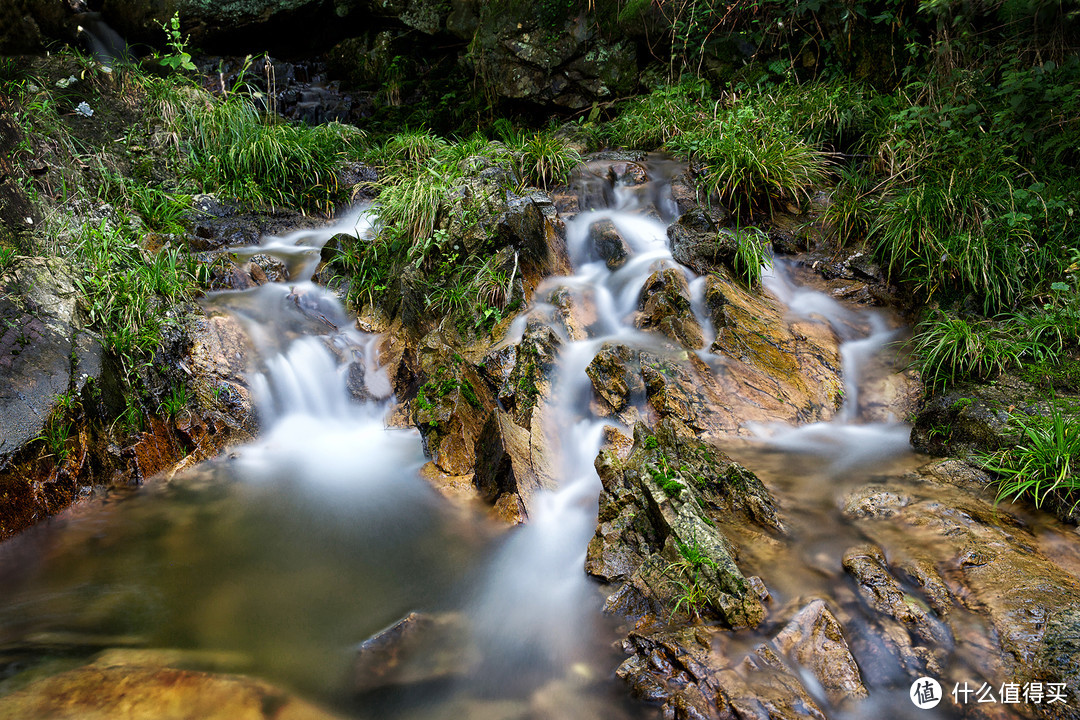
[546, 159]
[751, 255]
[692, 594]
[175, 402]
[160, 210]
[179, 58]
[1041, 466]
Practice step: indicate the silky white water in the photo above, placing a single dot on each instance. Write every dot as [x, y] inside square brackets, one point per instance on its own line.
[321, 532]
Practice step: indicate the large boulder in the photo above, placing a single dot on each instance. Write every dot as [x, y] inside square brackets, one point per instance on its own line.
[659, 535]
[689, 673]
[511, 465]
[699, 244]
[665, 307]
[990, 564]
[800, 358]
[451, 406]
[550, 57]
[45, 351]
[120, 688]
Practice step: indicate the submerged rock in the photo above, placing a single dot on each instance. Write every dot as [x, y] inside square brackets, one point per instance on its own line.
[417, 648]
[106, 690]
[974, 555]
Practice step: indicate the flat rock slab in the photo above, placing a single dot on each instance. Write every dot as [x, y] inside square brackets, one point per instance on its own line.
[41, 345]
[121, 692]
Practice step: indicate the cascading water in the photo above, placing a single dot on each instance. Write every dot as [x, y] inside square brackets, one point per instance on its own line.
[321, 533]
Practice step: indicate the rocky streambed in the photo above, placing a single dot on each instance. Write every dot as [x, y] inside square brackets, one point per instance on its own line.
[718, 512]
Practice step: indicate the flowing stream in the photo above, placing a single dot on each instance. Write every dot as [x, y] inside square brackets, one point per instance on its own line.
[321, 533]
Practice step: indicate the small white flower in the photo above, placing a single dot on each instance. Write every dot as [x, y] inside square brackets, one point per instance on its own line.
[29, 221]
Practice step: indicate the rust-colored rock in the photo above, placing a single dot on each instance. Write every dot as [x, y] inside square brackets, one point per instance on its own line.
[506, 464]
[815, 641]
[798, 360]
[665, 307]
[124, 692]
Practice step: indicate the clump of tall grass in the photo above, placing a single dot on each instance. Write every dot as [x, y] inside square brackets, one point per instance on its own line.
[652, 120]
[1041, 466]
[123, 291]
[850, 211]
[546, 159]
[751, 255]
[750, 162]
[750, 151]
[959, 228]
[234, 147]
[409, 149]
[949, 348]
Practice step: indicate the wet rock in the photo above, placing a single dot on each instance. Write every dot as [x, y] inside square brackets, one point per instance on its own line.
[359, 176]
[991, 565]
[762, 686]
[687, 672]
[697, 243]
[44, 349]
[799, 358]
[665, 307]
[673, 669]
[572, 313]
[531, 225]
[628, 174]
[861, 266]
[615, 379]
[815, 641]
[506, 464]
[608, 244]
[529, 380]
[685, 193]
[655, 534]
[973, 418]
[127, 692]
[418, 648]
[881, 591]
[215, 226]
[450, 407]
[216, 360]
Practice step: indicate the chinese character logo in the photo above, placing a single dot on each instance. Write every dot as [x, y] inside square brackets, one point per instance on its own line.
[925, 693]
